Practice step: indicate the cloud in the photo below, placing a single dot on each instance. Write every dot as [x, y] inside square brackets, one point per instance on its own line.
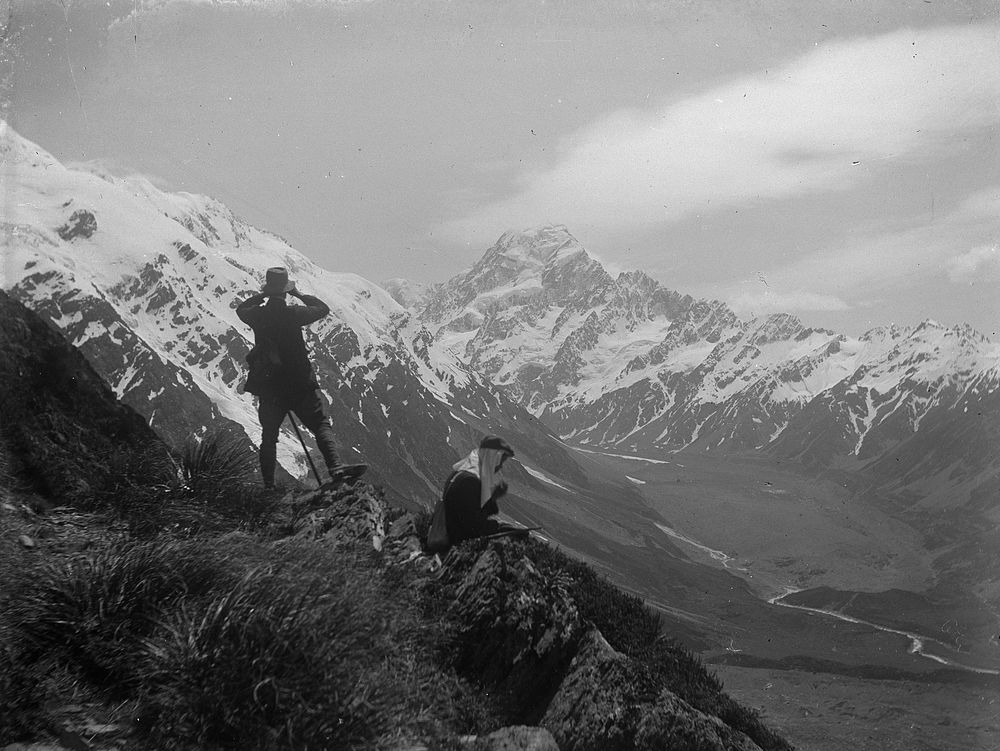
[277, 5]
[757, 302]
[806, 127]
[869, 267]
[982, 205]
[979, 264]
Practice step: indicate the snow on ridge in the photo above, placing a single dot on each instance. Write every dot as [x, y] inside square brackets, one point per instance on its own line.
[18, 151]
[539, 475]
[164, 260]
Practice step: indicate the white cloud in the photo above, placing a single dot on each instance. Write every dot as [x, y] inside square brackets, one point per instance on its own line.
[981, 205]
[979, 264]
[804, 127]
[755, 302]
[892, 259]
[877, 267]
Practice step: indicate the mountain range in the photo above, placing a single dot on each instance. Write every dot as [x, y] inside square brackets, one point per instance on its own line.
[908, 418]
[623, 363]
[536, 342]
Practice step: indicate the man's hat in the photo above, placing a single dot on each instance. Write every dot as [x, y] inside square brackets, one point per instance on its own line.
[493, 442]
[277, 282]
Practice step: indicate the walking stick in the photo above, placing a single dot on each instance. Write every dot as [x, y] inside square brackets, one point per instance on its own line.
[302, 441]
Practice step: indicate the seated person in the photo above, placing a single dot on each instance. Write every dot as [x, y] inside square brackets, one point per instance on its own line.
[470, 496]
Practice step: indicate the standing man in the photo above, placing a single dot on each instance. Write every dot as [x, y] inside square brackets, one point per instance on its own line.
[280, 372]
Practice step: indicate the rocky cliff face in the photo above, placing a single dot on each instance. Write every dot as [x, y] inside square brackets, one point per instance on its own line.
[524, 638]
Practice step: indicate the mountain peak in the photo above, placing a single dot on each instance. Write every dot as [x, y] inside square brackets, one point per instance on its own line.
[407, 293]
[775, 327]
[886, 332]
[545, 245]
[928, 324]
[963, 332]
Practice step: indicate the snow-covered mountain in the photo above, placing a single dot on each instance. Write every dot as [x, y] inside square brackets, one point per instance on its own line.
[623, 362]
[534, 342]
[146, 282]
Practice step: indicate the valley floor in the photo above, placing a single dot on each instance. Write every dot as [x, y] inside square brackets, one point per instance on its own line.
[768, 528]
[787, 527]
[824, 712]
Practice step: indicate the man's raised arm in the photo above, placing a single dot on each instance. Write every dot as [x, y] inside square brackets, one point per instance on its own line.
[245, 310]
[312, 308]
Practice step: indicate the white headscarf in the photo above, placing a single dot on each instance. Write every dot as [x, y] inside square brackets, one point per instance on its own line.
[484, 463]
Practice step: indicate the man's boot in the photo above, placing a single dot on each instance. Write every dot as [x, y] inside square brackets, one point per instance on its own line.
[327, 446]
[268, 462]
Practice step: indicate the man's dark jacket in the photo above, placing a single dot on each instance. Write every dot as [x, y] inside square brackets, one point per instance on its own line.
[279, 326]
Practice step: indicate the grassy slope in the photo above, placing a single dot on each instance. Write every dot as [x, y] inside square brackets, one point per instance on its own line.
[158, 600]
[234, 619]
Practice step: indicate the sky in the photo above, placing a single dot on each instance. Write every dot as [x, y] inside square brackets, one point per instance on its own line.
[835, 160]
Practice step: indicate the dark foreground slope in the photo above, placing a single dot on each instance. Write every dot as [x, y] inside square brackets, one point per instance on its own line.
[323, 625]
[63, 434]
[150, 600]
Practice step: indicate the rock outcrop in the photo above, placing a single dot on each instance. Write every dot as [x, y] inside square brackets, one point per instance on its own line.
[604, 703]
[81, 223]
[522, 638]
[63, 434]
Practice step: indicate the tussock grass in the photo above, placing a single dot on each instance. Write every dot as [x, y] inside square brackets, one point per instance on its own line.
[6, 473]
[250, 660]
[21, 696]
[148, 466]
[209, 488]
[95, 609]
[302, 666]
[234, 642]
[212, 467]
[225, 633]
